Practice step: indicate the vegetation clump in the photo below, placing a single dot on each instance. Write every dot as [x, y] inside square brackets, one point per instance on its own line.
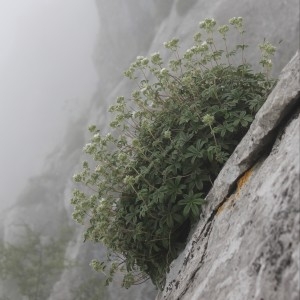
[168, 143]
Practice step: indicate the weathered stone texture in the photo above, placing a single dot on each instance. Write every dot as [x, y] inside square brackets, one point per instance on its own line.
[247, 244]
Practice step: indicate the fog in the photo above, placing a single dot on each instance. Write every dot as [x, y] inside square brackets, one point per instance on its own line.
[46, 77]
[61, 65]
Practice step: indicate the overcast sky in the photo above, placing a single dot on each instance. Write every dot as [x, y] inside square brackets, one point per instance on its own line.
[46, 77]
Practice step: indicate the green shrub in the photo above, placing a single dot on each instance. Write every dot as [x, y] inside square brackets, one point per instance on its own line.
[34, 264]
[168, 143]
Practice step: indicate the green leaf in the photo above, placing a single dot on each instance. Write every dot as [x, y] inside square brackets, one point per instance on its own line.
[170, 221]
[186, 210]
[195, 210]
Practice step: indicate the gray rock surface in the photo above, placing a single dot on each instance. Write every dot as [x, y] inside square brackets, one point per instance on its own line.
[246, 245]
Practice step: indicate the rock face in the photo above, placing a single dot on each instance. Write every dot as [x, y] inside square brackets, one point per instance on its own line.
[246, 245]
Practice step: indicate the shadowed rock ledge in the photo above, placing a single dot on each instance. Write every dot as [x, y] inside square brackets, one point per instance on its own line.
[246, 245]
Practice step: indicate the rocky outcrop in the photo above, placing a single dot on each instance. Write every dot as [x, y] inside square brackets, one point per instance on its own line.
[246, 245]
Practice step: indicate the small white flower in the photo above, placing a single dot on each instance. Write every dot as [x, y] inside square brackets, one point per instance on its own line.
[102, 203]
[143, 90]
[145, 61]
[77, 177]
[155, 54]
[98, 168]
[164, 71]
[167, 134]
[208, 119]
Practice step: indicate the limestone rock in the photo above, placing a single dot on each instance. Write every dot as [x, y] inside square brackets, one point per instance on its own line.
[246, 245]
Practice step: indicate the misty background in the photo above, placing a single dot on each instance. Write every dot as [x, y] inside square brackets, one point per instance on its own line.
[61, 66]
[47, 76]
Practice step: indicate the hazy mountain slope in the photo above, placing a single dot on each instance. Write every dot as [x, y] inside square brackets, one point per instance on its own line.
[127, 29]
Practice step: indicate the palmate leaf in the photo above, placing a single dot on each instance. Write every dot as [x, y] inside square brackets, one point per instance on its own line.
[191, 203]
[175, 186]
[226, 127]
[195, 151]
